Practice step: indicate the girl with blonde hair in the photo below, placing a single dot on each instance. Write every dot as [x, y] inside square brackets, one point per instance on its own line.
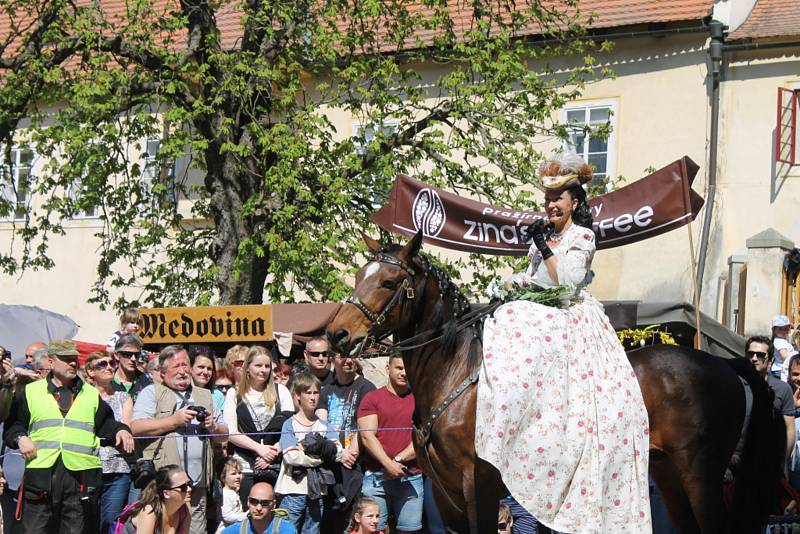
[257, 406]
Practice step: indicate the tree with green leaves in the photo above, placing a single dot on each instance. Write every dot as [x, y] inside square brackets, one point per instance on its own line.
[203, 134]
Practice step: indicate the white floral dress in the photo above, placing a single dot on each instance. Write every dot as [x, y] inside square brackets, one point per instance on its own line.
[560, 413]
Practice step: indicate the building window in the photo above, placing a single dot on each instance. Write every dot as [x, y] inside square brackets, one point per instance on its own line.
[74, 193]
[152, 171]
[363, 135]
[584, 123]
[16, 181]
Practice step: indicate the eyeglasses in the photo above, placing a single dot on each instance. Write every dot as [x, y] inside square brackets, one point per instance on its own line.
[103, 364]
[224, 387]
[502, 526]
[128, 354]
[758, 354]
[238, 363]
[183, 488]
[317, 353]
[264, 503]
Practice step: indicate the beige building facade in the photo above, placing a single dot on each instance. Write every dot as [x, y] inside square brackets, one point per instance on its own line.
[659, 108]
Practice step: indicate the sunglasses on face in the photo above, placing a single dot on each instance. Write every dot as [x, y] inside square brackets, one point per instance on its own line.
[264, 503]
[224, 387]
[128, 354]
[238, 363]
[104, 364]
[183, 488]
[758, 354]
[317, 353]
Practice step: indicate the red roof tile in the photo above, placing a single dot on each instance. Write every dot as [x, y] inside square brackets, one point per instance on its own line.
[770, 18]
[607, 14]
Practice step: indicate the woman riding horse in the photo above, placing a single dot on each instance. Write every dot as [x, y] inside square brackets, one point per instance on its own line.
[560, 413]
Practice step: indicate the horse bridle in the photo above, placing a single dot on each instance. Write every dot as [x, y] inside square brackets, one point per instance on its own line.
[377, 319]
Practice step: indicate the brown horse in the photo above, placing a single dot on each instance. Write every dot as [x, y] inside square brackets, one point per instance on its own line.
[695, 402]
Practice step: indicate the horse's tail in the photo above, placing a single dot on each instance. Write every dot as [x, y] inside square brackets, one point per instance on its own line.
[759, 473]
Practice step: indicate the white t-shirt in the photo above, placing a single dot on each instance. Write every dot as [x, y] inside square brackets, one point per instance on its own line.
[256, 401]
[779, 364]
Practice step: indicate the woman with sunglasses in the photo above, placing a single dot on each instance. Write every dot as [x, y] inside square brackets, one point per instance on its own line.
[164, 505]
[100, 367]
[257, 404]
[234, 362]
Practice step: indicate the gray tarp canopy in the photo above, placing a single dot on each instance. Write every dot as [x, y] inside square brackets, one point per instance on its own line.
[22, 325]
[302, 321]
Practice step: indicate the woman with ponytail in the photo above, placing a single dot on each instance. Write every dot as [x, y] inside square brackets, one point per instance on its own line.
[560, 413]
[163, 507]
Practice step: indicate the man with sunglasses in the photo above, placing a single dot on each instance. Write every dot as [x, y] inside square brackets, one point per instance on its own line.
[262, 518]
[759, 352]
[57, 423]
[127, 351]
[317, 359]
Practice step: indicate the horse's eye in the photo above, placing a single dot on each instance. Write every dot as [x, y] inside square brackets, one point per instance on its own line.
[389, 284]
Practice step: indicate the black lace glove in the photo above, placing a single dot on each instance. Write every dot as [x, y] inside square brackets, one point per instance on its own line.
[536, 233]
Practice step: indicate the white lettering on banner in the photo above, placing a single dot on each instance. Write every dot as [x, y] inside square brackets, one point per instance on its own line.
[596, 210]
[488, 232]
[471, 227]
[625, 222]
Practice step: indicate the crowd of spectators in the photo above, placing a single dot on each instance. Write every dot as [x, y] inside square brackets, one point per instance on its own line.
[187, 440]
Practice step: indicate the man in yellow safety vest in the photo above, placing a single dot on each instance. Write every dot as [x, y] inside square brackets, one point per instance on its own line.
[57, 423]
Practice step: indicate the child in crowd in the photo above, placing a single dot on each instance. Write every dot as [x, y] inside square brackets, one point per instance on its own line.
[505, 521]
[366, 515]
[231, 509]
[302, 500]
[129, 323]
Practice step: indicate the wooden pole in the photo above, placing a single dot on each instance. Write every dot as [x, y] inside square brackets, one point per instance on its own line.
[697, 336]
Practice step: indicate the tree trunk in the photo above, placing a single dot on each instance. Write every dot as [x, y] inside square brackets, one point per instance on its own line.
[230, 188]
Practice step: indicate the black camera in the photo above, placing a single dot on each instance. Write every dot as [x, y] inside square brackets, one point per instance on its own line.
[200, 413]
[142, 472]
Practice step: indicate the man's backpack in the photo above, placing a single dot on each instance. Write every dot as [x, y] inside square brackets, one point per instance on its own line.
[278, 515]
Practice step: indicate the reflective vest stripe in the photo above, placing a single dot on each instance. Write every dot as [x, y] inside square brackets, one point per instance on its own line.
[50, 423]
[55, 445]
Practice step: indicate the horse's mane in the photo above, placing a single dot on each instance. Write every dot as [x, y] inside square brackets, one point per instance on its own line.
[452, 304]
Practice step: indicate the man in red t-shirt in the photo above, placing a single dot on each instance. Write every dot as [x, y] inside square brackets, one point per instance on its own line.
[391, 475]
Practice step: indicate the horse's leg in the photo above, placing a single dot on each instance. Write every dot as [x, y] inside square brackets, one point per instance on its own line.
[488, 492]
[669, 483]
[701, 474]
[471, 497]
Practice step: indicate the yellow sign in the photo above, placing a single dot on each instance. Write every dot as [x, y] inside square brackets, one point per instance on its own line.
[207, 324]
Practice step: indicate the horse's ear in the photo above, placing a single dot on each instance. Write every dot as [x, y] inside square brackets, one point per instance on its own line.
[373, 245]
[411, 248]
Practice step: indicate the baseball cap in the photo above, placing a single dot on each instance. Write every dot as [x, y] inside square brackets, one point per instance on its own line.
[62, 347]
[780, 321]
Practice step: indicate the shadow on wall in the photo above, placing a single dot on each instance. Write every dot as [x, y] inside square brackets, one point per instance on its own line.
[779, 172]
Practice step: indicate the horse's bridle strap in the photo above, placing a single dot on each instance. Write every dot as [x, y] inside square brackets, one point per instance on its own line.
[406, 288]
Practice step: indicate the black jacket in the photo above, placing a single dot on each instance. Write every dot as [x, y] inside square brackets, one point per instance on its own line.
[106, 428]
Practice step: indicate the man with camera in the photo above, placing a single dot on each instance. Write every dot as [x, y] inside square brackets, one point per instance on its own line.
[57, 423]
[178, 417]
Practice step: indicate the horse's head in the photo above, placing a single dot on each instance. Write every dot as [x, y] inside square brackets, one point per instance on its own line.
[385, 294]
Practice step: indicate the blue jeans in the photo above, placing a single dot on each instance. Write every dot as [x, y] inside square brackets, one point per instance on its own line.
[403, 497]
[304, 513]
[113, 498]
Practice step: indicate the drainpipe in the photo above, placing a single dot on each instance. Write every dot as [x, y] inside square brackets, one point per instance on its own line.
[715, 51]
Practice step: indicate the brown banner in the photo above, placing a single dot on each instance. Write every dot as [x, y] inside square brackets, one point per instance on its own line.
[207, 324]
[657, 203]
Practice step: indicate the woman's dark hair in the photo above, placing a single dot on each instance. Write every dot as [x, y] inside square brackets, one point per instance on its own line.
[582, 215]
[153, 495]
